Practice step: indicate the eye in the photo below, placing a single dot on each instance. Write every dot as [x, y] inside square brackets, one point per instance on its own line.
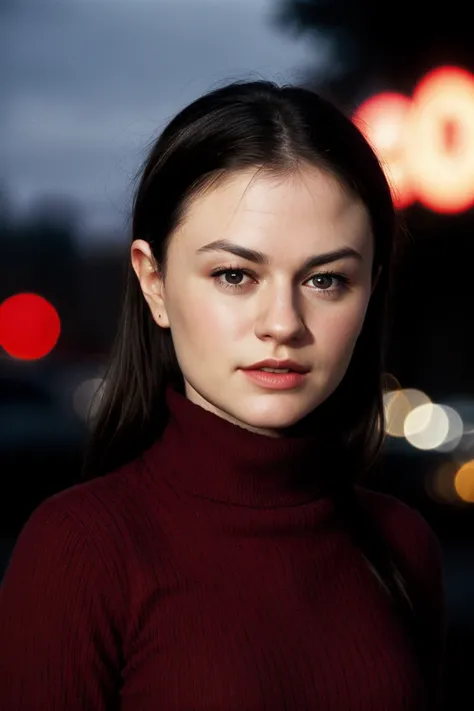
[324, 283]
[234, 276]
[322, 280]
[230, 278]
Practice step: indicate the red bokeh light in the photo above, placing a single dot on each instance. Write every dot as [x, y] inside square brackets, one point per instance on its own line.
[440, 140]
[382, 119]
[29, 326]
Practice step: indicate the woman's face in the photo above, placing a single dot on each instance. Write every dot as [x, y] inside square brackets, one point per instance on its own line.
[223, 323]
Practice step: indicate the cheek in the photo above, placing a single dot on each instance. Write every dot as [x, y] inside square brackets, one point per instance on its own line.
[341, 329]
[204, 321]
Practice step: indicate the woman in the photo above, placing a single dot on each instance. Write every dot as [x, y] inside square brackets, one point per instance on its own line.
[222, 552]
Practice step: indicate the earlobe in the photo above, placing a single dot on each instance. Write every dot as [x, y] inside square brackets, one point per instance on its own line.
[150, 280]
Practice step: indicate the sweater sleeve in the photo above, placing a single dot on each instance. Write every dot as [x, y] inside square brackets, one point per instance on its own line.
[419, 547]
[59, 647]
[432, 608]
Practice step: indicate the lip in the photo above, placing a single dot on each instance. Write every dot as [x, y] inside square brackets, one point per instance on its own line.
[275, 381]
[278, 364]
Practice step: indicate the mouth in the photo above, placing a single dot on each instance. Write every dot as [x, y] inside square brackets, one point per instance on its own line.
[278, 367]
[275, 379]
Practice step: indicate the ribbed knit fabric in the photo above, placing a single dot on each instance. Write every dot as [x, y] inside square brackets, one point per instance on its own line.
[213, 574]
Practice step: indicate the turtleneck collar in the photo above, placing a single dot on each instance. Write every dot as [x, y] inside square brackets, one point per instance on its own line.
[213, 458]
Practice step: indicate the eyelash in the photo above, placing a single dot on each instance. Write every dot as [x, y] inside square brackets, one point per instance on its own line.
[342, 278]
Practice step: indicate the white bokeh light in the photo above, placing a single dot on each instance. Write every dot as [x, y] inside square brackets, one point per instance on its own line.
[427, 426]
[455, 431]
[398, 404]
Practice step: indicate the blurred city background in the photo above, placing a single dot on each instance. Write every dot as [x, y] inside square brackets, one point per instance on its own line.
[87, 86]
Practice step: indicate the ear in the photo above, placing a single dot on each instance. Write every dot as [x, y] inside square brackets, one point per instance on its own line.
[151, 280]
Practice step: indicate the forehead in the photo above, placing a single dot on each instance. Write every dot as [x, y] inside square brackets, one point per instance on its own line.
[307, 209]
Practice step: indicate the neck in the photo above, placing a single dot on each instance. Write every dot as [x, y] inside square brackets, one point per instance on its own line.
[214, 458]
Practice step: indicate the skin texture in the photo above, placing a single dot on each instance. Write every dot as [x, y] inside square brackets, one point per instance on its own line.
[278, 311]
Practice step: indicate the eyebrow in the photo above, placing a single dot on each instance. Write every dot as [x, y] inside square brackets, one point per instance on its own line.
[252, 255]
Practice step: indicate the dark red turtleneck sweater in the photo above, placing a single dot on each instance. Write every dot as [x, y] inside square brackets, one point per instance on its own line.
[203, 577]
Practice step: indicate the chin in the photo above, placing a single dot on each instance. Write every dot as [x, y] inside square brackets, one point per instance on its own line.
[272, 420]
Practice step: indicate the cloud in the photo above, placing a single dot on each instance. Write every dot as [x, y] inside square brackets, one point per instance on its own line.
[90, 82]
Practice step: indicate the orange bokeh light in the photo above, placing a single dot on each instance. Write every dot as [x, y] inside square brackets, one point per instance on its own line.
[383, 119]
[440, 140]
[29, 326]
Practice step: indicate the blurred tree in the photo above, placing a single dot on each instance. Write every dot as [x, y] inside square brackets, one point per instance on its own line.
[376, 46]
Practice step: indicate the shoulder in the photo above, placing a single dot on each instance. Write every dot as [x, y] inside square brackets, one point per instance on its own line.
[407, 532]
[87, 519]
[388, 508]
[103, 495]
[77, 540]
[394, 515]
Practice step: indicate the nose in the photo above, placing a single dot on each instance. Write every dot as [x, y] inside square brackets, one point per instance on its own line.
[279, 317]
